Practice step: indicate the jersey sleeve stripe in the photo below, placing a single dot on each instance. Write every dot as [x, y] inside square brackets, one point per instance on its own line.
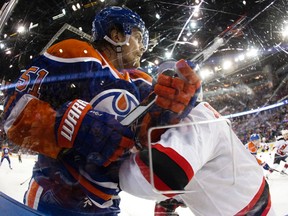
[260, 203]
[86, 184]
[144, 168]
[173, 170]
[33, 194]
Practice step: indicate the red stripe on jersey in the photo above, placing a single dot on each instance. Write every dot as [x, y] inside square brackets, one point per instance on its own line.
[177, 158]
[158, 183]
[253, 202]
[268, 207]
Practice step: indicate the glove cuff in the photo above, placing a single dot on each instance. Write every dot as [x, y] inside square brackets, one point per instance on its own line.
[71, 122]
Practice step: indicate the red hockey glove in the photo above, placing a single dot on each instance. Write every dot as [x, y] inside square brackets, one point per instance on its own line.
[94, 134]
[177, 94]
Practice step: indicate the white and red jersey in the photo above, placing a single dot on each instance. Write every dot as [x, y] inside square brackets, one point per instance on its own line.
[207, 161]
[281, 146]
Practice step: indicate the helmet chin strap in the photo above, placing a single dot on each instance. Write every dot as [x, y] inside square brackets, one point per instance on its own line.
[119, 56]
[118, 48]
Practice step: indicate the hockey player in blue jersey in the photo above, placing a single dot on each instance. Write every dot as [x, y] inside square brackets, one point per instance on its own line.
[6, 154]
[68, 104]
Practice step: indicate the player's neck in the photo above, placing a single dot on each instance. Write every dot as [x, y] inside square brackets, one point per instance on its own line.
[111, 56]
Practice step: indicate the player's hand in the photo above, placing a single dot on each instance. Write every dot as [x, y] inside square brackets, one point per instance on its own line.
[167, 207]
[96, 135]
[178, 93]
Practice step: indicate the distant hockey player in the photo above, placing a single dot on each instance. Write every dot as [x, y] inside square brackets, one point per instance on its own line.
[19, 156]
[204, 164]
[5, 154]
[253, 146]
[281, 153]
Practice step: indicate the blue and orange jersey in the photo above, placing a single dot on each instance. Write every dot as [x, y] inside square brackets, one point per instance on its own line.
[69, 70]
[253, 150]
[6, 152]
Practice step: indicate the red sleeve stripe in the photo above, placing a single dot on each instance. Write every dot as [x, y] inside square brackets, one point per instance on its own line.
[171, 170]
[146, 174]
[260, 204]
[177, 158]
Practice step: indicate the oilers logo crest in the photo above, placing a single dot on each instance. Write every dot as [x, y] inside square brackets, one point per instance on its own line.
[116, 101]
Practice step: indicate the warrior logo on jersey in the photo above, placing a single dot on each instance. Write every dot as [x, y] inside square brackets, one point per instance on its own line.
[116, 101]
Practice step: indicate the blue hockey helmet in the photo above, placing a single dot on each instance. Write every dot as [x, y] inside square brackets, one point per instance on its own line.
[123, 17]
[254, 137]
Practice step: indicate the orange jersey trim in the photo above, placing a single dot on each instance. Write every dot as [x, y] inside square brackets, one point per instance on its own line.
[86, 184]
[72, 48]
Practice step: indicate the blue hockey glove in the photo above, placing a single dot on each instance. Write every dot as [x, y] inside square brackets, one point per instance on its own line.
[96, 135]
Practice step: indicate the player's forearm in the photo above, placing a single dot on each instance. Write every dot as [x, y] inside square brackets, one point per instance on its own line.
[171, 172]
[133, 181]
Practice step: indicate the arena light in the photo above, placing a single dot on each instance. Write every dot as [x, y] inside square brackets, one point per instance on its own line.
[205, 73]
[285, 31]
[168, 54]
[74, 8]
[193, 24]
[21, 29]
[253, 52]
[227, 64]
[157, 16]
[195, 43]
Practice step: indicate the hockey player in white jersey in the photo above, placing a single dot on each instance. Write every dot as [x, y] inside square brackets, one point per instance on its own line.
[202, 162]
[281, 153]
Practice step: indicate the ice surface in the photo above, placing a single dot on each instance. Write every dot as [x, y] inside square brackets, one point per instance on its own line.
[10, 184]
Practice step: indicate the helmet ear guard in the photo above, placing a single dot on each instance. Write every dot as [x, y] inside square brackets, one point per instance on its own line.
[118, 16]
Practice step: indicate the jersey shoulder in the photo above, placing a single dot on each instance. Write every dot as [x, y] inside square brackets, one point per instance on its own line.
[251, 147]
[136, 74]
[73, 48]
